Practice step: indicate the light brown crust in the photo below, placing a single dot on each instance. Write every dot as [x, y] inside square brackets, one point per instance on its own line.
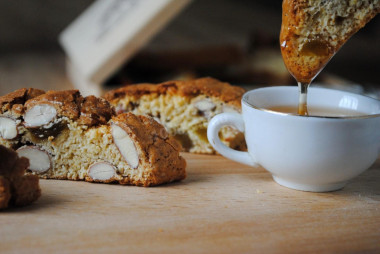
[160, 150]
[90, 110]
[15, 101]
[303, 71]
[305, 60]
[95, 111]
[15, 187]
[207, 86]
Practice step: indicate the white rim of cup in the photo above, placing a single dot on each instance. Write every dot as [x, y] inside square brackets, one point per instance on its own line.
[245, 101]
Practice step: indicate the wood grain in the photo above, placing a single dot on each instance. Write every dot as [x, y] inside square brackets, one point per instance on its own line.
[222, 207]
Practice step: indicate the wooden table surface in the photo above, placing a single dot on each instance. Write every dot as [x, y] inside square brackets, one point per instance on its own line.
[221, 207]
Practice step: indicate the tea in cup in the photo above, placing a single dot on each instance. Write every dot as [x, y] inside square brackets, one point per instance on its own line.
[338, 140]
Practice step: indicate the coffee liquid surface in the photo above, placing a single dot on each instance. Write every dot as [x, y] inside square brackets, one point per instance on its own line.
[319, 111]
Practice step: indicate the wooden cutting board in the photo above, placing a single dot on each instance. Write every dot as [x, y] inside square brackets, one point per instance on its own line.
[221, 207]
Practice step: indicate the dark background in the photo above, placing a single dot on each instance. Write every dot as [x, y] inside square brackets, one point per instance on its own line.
[32, 27]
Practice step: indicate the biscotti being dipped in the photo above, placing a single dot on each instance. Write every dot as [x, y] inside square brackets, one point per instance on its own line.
[313, 31]
[67, 136]
[184, 108]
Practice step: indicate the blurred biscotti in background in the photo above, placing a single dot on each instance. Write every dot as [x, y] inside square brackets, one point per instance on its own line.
[184, 108]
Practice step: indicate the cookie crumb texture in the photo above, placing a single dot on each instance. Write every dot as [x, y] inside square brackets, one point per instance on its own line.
[16, 188]
[67, 136]
[185, 109]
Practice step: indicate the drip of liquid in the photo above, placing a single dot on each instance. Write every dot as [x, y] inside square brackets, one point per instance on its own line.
[302, 100]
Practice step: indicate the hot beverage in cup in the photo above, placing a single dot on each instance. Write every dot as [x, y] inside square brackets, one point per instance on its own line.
[318, 111]
[337, 141]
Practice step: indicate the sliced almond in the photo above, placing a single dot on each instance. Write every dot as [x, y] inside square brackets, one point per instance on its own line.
[8, 128]
[101, 171]
[204, 105]
[39, 160]
[125, 145]
[40, 115]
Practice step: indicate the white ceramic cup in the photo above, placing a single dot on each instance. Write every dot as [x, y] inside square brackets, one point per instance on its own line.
[304, 152]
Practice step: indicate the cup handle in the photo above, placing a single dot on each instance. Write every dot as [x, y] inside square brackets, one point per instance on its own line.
[231, 119]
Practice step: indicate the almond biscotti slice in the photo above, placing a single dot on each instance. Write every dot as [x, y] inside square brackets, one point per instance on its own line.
[312, 31]
[67, 136]
[184, 108]
[16, 188]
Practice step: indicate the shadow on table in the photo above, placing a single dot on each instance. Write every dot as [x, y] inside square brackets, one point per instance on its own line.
[44, 202]
[366, 184]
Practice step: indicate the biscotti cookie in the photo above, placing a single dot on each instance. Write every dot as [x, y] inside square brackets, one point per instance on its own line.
[184, 108]
[67, 136]
[312, 31]
[16, 188]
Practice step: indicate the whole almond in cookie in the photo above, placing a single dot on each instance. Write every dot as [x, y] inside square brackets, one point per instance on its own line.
[8, 128]
[102, 172]
[39, 160]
